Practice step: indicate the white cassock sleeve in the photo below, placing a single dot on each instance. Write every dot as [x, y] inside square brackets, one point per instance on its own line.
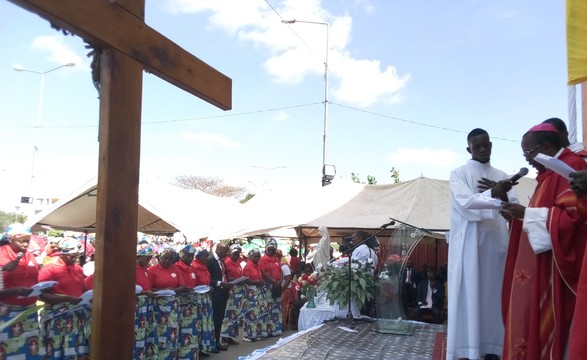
[535, 226]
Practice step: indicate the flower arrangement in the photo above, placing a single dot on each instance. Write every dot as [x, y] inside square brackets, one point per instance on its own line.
[335, 282]
[308, 283]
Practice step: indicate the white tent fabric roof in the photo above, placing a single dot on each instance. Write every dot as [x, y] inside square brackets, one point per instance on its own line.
[163, 209]
[422, 202]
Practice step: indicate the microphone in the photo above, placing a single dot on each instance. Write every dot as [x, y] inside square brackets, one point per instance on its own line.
[523, 172]
[19, 256]
[392, 222]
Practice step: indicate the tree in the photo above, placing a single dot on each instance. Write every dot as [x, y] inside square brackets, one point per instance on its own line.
[7, 218]
[209, 185]
[394, 175]
[370, 179]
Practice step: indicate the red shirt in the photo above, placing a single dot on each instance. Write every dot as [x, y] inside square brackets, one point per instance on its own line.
[202, 273]
[271, 265]
[165, 278]
[89, 282]
[70, 278]
[143, 279]
[233, 269]
[252, 271]
[294, 264]
[188, 273]
[24, 275]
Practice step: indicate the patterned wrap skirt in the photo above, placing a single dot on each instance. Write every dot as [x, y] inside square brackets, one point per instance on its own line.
[65, 331]
[235, 311]
[19, 333]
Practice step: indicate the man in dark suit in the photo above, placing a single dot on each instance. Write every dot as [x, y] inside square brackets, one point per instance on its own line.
[220, 288]
[430, 297]
[410, 279]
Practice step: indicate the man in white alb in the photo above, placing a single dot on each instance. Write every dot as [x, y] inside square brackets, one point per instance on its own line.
[478, 241]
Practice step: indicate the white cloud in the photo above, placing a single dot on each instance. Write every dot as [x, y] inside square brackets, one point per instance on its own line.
[281, 116]
[210, 140]
[58, 51]
[435, 158]
[300, 49]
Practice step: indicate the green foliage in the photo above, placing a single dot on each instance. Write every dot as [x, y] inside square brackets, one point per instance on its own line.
[7, 218]
[394, 175]
[55, 233]
[355, 178]
[335, 282]
[248, 197]
[371, 180]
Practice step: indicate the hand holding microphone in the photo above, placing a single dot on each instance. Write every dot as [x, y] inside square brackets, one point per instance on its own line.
[11, 265]
[523, 172]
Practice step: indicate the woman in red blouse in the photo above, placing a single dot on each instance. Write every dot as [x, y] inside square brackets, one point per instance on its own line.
[145, 329]
[64, 327]
[234, 307]
[254, 326]
[19, 271]
[144, 255]
[204, 322]
[270, 266]
[188, 345]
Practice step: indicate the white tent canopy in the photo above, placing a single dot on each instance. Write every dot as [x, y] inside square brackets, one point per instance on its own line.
[163, 209]
[422, 202]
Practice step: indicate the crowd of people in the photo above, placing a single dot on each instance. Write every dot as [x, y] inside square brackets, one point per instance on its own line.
[516, 276]
[191, 301]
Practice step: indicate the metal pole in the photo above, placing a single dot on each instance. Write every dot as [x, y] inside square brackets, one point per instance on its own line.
[20, 68]
[37, 128]
[324, 140]
[325, 181]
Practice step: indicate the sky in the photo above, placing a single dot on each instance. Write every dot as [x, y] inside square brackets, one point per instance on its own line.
[407, 80]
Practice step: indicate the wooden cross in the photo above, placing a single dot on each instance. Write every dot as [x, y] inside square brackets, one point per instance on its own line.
[129, 46]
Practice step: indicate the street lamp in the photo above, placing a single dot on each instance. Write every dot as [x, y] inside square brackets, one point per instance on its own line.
[269, 170]
[326, 173]
[21, 68]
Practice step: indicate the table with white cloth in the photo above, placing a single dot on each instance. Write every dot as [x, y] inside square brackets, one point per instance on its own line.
[315, 316]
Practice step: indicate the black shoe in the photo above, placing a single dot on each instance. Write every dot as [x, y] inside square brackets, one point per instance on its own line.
[491, 357]
[204, 354]
[222, 347]
[214, 351]
[230, 341]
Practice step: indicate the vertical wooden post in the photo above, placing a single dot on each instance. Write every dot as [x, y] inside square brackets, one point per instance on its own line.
[117, 207]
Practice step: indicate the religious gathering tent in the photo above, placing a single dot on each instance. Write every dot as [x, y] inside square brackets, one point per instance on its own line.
[343, 208]
[163, 209]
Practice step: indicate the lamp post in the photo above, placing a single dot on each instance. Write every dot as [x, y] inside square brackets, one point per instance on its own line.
[21, 68]
[327, 174]
[269, 170]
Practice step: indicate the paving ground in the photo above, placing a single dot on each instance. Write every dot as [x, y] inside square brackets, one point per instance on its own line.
[245, 348]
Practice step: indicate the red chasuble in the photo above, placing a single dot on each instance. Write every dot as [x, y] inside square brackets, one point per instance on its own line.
[539, 290]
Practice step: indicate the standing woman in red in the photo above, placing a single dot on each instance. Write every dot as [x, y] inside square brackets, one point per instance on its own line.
[165, 276]
[253, 325]
[204, 321]
[188, 341]
[19, 271]
[64, 324]
[270, 266]
[234, 307]
[145, 331]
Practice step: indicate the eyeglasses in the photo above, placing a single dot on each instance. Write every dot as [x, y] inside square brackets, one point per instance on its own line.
[529, 153]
